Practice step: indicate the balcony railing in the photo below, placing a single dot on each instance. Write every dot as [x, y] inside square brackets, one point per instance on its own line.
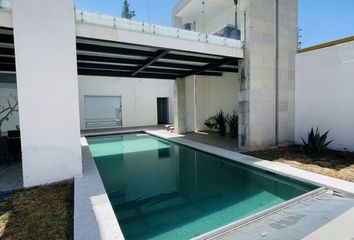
[5, 4]
[149, 28]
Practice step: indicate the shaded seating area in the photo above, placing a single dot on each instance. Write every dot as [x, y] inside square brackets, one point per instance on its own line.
[10, 147]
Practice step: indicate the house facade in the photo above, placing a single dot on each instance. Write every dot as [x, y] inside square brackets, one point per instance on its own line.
[67, 65]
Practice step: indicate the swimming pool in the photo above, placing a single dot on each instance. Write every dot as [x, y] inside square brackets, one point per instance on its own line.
[163, 190]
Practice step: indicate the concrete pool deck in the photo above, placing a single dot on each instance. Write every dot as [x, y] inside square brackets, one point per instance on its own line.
[94, 216]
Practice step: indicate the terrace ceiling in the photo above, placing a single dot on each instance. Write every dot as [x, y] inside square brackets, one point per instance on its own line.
[105, 58]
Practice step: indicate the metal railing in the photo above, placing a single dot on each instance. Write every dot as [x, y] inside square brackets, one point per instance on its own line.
[149, 28]
[5, 4]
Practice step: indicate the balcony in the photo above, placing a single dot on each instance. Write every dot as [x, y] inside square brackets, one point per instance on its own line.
[5, 4]
[154, 29]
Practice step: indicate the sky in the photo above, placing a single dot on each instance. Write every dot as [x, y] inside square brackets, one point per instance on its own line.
[320, 20]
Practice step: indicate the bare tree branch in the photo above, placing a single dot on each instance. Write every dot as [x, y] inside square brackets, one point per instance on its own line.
[6, 112]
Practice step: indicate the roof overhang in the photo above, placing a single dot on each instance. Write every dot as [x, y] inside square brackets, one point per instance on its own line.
[106, 58]
[97, 57]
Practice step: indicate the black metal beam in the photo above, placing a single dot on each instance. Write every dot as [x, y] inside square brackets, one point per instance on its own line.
[189, 58]
[122, 68]
[166, 67]
[105, 66]
[211, 66]
[7, 51]
[175, 65]
[4, 59]
[81, 57]
[129, 45]
[7, 67]
[159, 54]
[156, 75]
[113, 50]
[191, 67]
[6, 38]
[216, 74]
[110, 73]
[226, 69]
[166, 70]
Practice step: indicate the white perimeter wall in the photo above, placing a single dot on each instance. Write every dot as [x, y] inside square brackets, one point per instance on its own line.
[212, 95]
[325, 94]
[46, 72]
[139, 97]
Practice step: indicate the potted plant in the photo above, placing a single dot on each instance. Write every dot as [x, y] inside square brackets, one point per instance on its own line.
[220, 119]
[232, 121]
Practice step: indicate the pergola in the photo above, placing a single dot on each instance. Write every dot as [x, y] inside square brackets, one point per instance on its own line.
[97, 57]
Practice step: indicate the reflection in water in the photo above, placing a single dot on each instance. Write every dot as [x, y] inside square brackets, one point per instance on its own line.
[161, 190]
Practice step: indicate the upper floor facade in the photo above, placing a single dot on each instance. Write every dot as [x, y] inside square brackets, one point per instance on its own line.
[216, 17]
[200, 39]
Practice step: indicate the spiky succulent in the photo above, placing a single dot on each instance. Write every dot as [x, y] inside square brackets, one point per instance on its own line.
[316, 143]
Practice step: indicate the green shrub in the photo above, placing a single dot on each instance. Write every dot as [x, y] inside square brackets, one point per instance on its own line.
[316, 143]
[220, 119]
[232, 121]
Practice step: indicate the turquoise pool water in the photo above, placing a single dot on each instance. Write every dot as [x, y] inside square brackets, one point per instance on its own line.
[163, 190]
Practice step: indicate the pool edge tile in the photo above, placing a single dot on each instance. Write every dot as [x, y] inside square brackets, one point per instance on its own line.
[94, 217]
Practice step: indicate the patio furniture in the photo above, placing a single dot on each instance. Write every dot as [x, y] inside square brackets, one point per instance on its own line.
[14, 144]
[4, 149]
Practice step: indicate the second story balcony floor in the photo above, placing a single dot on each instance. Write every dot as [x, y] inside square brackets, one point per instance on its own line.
[221, 42]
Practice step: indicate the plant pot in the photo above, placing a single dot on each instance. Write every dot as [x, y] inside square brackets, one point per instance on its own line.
[222, 131]
[233, 133]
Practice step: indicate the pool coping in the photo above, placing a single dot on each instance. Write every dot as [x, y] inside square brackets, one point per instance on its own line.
[94, 217]
[98, 214]
[338, 185]
[254, 217]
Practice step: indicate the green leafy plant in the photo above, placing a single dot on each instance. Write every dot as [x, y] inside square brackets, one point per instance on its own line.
[126, 12]
[232, 121]
[316, 143]
[220, 119]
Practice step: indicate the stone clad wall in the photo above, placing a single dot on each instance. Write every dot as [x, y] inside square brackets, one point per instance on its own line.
[267, 107]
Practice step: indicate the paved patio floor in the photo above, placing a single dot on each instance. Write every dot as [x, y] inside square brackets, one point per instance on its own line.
[206, 137]
[11, 176]
[213, 139]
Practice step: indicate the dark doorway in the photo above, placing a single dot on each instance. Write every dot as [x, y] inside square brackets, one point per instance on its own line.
[162, 110]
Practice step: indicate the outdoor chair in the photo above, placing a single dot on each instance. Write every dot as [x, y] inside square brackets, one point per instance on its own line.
[14, 144]
[4, 150]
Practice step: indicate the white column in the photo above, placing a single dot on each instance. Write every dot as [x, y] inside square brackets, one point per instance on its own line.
[44, 32]
[180, 106]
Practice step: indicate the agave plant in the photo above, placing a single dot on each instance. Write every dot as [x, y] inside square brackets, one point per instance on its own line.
[316, 143]
[220, 119]
[232, 121]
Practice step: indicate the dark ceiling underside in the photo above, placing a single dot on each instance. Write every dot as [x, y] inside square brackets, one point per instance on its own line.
[105, 58]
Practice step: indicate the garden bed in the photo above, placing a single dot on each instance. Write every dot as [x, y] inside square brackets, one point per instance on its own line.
[37, 213]
[332, 163]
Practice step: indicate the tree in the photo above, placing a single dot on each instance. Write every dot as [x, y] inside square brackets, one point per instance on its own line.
[299, 39]
[7, 111]
[126, 12]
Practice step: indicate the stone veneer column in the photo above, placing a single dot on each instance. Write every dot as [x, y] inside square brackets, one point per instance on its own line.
[267, 73]
[180, 106]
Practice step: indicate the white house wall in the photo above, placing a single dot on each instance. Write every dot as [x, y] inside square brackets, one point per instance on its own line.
[139, 97]
[212, 94]
[46, 76]
[324, 94]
